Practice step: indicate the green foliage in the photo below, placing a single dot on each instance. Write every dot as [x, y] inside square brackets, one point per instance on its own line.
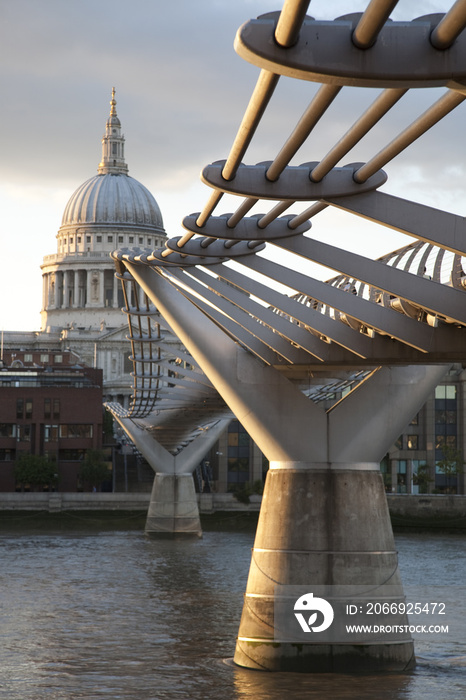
[94, 469]
[451, 464]
[243, 493]
[258, 487]
[107, 424]
[422, 477]
[35, 470]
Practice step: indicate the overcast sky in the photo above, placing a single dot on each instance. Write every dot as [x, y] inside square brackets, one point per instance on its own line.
[181, 92]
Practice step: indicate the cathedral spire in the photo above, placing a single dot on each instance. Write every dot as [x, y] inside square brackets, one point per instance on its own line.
[113, 144]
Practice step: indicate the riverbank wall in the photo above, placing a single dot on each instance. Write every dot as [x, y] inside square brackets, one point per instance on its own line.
[406, 511]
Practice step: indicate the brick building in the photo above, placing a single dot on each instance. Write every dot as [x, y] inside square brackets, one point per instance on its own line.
[49, 406]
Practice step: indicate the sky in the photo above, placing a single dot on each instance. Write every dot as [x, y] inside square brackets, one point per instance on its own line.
[181, 92]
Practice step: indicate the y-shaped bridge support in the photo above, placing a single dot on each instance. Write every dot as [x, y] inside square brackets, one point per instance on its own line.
[173, 508]
[324, 518]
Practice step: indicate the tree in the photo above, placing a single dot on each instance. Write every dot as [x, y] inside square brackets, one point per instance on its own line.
[35, 470]
[451, 464]
[422, 477]
[94, 469]
[107, 424]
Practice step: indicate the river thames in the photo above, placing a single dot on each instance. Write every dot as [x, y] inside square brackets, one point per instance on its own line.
[104, 615]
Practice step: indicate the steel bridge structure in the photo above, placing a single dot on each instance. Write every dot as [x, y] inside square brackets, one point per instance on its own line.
[259, 327]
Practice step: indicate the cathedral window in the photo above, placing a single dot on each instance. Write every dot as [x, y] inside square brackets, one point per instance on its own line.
[120, 239]
[110, 239]
[141, 239]
[88, 239]
[131, 239]
[99, 239]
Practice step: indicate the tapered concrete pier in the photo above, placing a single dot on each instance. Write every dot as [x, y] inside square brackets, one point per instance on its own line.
[173, 508]
[319, 527]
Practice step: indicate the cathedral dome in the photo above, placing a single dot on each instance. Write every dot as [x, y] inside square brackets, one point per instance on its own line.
[113, 198]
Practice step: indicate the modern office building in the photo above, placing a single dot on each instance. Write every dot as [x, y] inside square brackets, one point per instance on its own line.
[50, 406]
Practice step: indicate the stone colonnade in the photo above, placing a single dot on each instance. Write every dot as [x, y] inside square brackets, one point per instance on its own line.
[80, 287]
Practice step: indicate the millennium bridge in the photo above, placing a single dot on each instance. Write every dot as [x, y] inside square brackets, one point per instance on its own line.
[257, 330]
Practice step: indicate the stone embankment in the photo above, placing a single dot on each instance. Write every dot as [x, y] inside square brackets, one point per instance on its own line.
[423, 511]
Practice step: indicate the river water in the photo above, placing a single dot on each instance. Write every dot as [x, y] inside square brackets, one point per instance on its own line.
[104, 615]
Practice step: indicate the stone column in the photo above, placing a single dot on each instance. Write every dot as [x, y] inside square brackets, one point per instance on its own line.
[66, 288]
[59, 282]
[76, 289]
[45, 290]
[116, 286]
[101, 288]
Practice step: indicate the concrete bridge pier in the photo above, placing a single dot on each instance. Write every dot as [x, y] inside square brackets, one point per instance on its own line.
[324, 520]
[326, 525]
[173, 508]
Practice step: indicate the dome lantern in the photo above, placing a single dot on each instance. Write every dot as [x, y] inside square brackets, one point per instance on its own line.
[113, 144]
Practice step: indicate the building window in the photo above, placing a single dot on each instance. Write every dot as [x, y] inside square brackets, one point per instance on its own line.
[76, 430]
[110, 239]
[88, 239]
[99, 239]
[445, 440]
[71, 241]
[28, 407]
[47, 408]
[6, 455]
[131, 239]
[79, 239]
[415, 420]
[44, 358]
[28, 357]
[56, 408]
[401, 476]
[141, 239]
[50, 433]
[413, 441]
[120, 239]
[24, 433]
[7, 430]
[238, 455]
[149, 241]
[445, 391]
[58, 359]
[128, 366]
[19, 408]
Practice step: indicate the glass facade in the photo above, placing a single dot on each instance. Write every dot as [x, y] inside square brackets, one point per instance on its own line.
[238, 458]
